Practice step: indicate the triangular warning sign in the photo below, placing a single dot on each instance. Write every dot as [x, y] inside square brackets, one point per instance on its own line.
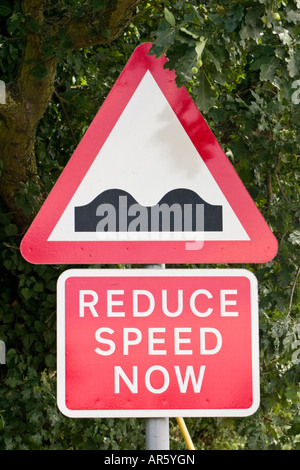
[148, 183]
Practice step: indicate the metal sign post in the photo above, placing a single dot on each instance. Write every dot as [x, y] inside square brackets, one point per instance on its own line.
[157, 434]
[157, 429]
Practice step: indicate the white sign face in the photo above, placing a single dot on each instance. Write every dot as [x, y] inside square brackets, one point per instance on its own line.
[147, 155]
[152, 342]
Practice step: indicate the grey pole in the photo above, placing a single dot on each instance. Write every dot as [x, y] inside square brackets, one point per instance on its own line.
[157, 429]
[157, 434]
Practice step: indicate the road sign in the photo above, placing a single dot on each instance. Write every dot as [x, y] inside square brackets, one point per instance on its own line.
[163, 343]
[148, 183]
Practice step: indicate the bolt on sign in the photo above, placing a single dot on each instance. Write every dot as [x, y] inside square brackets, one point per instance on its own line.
[146, 343]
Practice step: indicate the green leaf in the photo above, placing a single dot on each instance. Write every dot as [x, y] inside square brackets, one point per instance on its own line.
[38, 287]
[164, 38]
[292, 393]
[34, 26]
[26, 292]
[39, 71]
[293, 64]
[4, 10]
[14, 22]
[205, 95]
[268, 69]
[200, 45]
[11, 229]
[293, 16]
[13, 382]
[294, 237]
[99, 5]
[189, 33]
[169, 17]
[105, 32]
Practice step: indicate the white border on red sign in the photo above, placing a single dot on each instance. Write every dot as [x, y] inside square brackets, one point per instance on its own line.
[119, 413]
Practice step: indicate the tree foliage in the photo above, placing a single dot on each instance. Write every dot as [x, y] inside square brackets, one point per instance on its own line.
[240, 62]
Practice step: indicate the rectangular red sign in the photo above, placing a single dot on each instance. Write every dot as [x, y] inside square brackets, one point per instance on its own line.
[145, 343]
